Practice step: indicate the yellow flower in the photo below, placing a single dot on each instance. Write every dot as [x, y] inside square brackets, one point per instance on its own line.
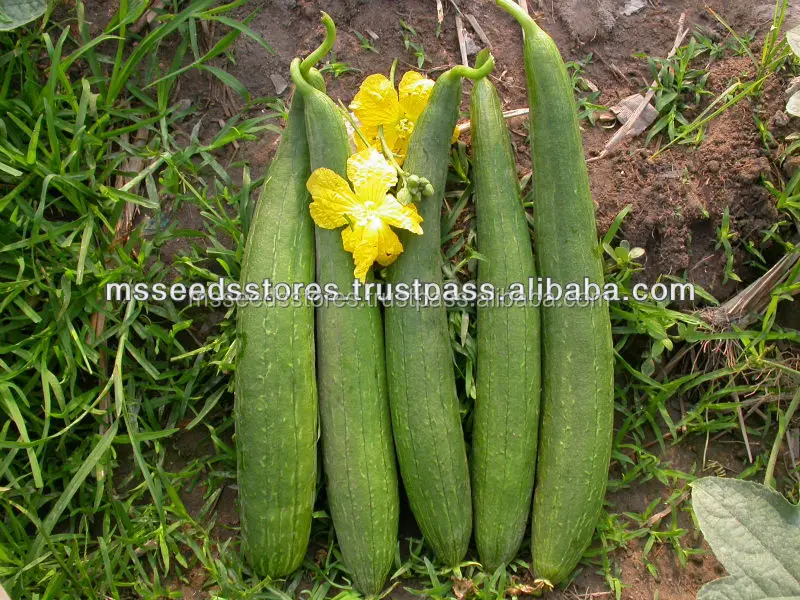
[367, 209]
[377, 104]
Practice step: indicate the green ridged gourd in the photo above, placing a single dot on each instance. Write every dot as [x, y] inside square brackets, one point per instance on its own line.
[357, 446]
[506, 418]
[426, 416]
[577, 410]
[276, 395]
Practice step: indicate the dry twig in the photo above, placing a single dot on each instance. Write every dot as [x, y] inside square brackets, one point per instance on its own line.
[462, 42]
[148, 17]
[478, 29]
[611, 67]
[751, 301]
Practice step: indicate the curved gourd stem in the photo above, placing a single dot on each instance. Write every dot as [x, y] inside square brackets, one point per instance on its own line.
[301, 83]
[315, 78]
[323, 49]
[479, 72]
[529, 26]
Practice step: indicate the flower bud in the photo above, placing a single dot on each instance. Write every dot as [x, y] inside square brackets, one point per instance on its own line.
[404, 196]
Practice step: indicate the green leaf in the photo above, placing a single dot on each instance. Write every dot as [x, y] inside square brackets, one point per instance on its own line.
[242, 28]
[15, 13]
[793, 37]
[228, 80]
[755, 534]
[10, 170]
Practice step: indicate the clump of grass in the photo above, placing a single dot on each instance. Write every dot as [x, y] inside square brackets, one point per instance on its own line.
[776, 56]
[587, 95]
[92, 169]
[412, 44]
[337, 68]
[680, 87]
[365, 42]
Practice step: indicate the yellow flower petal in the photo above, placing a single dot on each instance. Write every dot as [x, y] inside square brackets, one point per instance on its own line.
[415, 90]
[371, 175]
[369, 245]
[376, 102]
[396, 143]
[389, 246]
[351, 236]
[363, 243]
[395, 214]
[332, 197]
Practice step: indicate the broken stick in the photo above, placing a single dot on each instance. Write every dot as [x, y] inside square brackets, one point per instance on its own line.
[478, 29]
[462, 42]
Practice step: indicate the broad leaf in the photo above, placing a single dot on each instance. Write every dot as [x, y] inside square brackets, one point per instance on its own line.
[793, 105]
[755, 533]
[793, 37]
[15, 13]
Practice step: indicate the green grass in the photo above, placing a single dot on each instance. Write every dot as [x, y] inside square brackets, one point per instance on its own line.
[412, 43]
[117, 470]
[586, 95]
[681, 87]
[337, 68]
[365, 42]
[93, 392]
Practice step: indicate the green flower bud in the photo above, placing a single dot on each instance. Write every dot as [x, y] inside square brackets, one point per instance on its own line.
[404, 197]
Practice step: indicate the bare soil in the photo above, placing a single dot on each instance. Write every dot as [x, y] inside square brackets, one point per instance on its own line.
[677, 199]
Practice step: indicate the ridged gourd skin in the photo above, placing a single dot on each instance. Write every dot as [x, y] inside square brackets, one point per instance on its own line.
[357, 446]
[426, 418]
[506, 418]
[578, 363]
[276, 397]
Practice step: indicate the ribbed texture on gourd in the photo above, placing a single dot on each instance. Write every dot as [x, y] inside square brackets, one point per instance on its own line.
[506, 419]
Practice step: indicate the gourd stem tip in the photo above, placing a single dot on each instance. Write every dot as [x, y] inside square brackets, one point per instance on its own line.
[480, 71]
[323, 49]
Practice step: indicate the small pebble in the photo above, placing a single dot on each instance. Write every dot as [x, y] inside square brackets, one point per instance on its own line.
[279, 83]
[791, 165]
[780, 119]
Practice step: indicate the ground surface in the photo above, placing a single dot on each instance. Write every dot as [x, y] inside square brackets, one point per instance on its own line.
[678, 200]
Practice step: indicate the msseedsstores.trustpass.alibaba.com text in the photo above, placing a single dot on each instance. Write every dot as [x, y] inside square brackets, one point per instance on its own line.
[536, 291]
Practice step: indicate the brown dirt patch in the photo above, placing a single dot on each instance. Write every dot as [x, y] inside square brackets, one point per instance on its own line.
[679, 197]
